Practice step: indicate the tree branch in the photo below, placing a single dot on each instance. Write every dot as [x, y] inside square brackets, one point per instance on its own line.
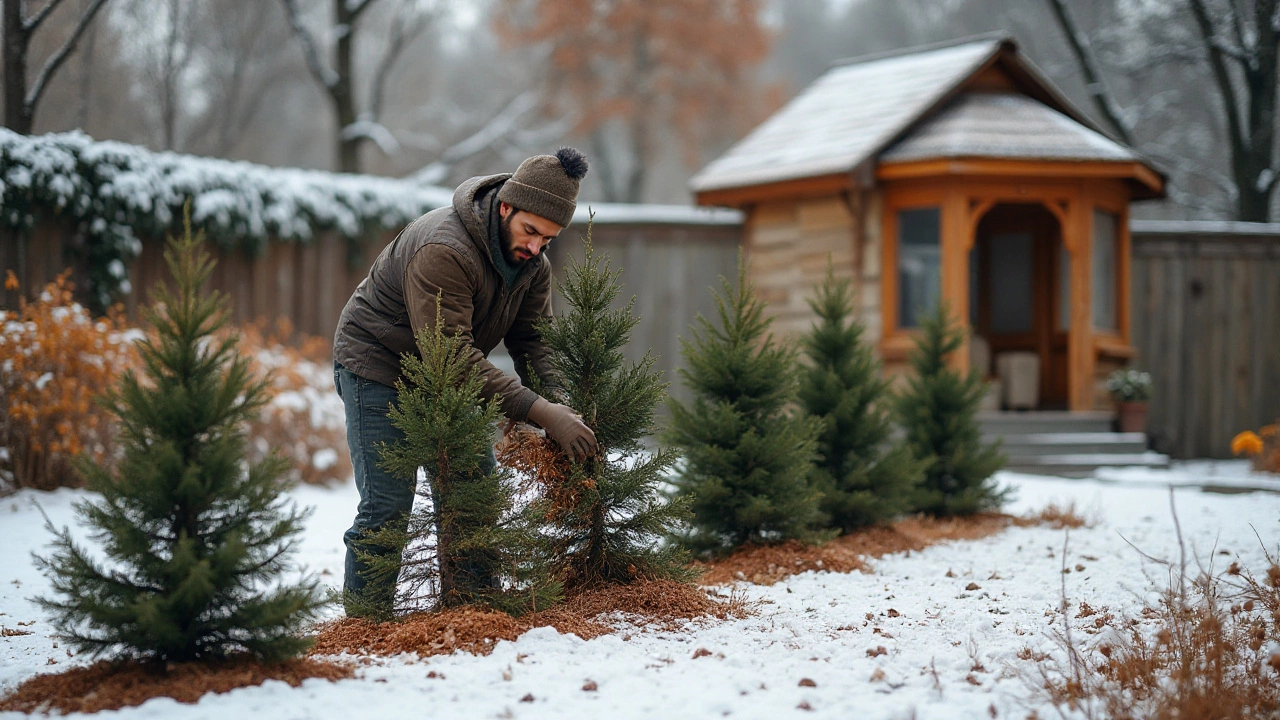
[1094, 84]
[30, 24]
[497, 128]
[402, 34]
[55, 61]
[355, 7]
[1221, 76]
[310, 48]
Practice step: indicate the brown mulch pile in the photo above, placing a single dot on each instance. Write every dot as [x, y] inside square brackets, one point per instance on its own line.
[769, 564]
[477, 630]
[107, 685]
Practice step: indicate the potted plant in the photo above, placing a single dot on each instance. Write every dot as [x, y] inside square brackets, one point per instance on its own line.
[1131, 389]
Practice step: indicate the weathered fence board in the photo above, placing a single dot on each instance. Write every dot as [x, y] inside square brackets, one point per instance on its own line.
[1206, 322]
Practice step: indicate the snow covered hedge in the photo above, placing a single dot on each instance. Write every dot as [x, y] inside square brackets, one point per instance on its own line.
[115, 193]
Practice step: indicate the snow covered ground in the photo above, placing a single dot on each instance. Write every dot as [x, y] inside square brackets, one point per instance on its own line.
[811, 650]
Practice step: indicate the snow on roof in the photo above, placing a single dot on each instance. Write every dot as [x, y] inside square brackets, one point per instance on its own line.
[845, 117]
[1004, 125]
[1203, 227]
[628, 214]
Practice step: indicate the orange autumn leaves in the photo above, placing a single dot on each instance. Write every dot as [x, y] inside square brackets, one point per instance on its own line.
[1263, 447]
[54, 359]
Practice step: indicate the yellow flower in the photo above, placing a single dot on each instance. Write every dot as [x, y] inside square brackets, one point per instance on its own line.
[1246, 443]
[10, 281]
[1267, 431]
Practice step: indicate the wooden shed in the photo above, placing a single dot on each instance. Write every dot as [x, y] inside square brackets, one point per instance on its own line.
[953, 171]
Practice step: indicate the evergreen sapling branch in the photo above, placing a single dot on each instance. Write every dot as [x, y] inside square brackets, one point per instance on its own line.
[863, 480]
[195, 537]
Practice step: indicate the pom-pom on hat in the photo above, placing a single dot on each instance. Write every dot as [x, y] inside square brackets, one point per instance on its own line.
[547, 185]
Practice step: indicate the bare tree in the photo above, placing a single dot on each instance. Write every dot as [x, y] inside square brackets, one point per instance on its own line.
[338, 78]
[21, 101]
[1235, 43]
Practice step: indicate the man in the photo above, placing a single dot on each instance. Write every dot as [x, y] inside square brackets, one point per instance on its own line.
[483, 258]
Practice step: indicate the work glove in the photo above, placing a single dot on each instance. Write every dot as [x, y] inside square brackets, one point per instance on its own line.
[565, 427]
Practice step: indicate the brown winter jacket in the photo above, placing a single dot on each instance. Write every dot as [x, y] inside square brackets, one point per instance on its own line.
[446, 251]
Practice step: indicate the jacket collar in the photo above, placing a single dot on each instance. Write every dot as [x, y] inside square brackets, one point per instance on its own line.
[473, 201]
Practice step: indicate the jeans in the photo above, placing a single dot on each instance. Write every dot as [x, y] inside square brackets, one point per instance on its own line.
[385, 500]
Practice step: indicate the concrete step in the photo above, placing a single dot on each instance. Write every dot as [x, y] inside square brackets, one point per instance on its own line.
[1082, 464]
[1009, 423]
[1037, 444]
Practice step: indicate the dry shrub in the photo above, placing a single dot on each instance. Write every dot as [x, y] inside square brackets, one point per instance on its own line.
[303, 419]
[54, 360]
[1209, 649]
[769, 564]
[107, 685]
[665, 603]
[1056, 517]
[1263, 447]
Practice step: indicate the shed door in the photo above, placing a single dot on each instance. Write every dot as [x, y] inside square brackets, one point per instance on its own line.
[1016, 292]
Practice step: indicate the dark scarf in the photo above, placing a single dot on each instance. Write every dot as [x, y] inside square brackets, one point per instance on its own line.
[508, 271]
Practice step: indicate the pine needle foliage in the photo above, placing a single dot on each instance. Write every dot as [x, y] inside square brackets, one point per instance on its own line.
[748, 456]
[613, 518]
[938, 409]
[466, 542]
[195, 537]
[864, 479]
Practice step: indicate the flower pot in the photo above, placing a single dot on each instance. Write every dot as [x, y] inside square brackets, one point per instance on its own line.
[1132, 416]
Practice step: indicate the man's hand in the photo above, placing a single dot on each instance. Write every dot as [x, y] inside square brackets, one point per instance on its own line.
[565, 427]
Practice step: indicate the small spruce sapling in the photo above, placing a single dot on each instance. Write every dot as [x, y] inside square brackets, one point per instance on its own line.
[610, 518]
[195, 537]
[863, 479]
[467, 541]
[937, 409]
[747, 455]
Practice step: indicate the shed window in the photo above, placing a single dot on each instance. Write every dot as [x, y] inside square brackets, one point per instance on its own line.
[919, 263]
[1105, 226]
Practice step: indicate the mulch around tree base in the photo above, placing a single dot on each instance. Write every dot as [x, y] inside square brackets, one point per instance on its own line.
[477, 630]
[107, 685]
[769, 564]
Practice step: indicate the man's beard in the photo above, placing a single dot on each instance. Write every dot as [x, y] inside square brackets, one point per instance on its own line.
[504, 240]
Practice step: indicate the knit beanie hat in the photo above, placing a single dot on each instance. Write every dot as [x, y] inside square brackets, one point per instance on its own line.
[547, 185]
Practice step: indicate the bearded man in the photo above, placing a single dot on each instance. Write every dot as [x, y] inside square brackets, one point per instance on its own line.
[482, 257]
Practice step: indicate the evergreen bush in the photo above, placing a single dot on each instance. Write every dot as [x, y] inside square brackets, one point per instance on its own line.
[864, 480]
[937, 409]
[196, 539]
[465, 541]
[748, 455]
[610, 518]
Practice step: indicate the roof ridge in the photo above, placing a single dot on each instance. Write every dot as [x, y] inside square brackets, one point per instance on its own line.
[993, 36]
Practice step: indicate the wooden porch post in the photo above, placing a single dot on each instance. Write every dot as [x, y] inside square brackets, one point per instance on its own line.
[1080, 353]
[957, 239]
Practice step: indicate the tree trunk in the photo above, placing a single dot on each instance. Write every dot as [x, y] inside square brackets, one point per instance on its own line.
[17, 116]
[347, 148]
[1254, 175]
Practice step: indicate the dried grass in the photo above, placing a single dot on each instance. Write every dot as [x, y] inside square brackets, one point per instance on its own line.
[109, 685]
[1207, 650]
[1057, 517]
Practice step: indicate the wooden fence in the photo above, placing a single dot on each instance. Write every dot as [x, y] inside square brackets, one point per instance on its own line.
[667, 264]
[1205, 303]
[1205, 312]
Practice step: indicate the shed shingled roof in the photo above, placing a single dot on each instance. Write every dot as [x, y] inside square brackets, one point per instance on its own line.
[1004, 125]
[845, 117]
